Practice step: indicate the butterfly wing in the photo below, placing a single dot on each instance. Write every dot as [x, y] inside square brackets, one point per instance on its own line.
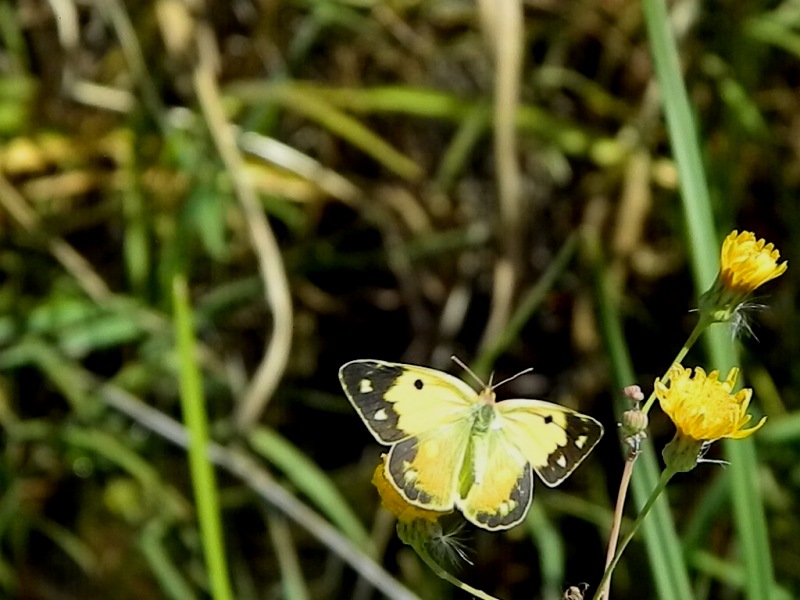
[425, 469]
[397, 402]
[425, 415]
[502, 482]
[552, 438]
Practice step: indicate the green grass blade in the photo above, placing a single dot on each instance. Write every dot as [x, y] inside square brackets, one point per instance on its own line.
[528, 305]
[775, 29]
[72, 545]
[703, 243]
[568, 137]
[549, 544]
[472, 128]
[315, 106]
[311, 481]
[202, 472]
[751, 522]
[683, 137]
[8, 578]
[782, 431]
[167, 573]
[292, 580]
[116, 451]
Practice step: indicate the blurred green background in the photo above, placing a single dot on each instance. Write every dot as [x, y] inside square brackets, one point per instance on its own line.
[306, 182]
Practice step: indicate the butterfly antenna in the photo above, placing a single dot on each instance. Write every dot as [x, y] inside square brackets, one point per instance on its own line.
[464, 366]
[513, 377]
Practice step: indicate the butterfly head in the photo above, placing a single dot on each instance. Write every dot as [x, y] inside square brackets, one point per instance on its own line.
[487, 394]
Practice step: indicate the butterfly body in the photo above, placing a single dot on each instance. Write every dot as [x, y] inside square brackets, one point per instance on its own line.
[453, 447]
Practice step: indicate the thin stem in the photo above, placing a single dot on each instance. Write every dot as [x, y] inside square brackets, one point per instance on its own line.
[666, 475]
[699, 328]
[613, 538]
[434, 566]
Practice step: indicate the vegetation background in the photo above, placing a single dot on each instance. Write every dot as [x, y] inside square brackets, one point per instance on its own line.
[305, 182]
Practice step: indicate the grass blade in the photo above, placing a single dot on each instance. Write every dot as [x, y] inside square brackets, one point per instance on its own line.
[311, 481]
[194, 416]
[703, 243]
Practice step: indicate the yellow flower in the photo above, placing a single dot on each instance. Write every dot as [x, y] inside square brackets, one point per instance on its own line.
[703, 407]
[745, 265]
[396, 504]
[703, 410]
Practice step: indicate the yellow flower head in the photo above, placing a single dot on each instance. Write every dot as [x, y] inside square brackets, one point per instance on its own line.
[747, 263]
[703, 407]
[395, 503]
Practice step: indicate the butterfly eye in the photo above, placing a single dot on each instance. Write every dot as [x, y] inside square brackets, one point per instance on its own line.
[418, 384]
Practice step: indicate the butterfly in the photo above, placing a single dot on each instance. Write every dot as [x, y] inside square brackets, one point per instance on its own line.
[451, 446]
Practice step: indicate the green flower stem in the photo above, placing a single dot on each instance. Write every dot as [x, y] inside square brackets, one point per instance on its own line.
[434, 566]
[420, 534]
[666, 475]
[704, 321]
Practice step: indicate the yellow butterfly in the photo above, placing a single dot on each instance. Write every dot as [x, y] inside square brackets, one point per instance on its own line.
[454, 447]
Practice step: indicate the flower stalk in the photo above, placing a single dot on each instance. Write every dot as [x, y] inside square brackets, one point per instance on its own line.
[702, 407]
[666, 475]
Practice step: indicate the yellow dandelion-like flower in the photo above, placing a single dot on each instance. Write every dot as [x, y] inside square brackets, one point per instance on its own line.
[702, 407]
[745, 264]
[703, 410]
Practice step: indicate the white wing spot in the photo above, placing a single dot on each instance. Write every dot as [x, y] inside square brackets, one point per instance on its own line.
[562, 461]
[580, 441]
[380, 415]
[365, 386]
[410, 475]
[506, 507]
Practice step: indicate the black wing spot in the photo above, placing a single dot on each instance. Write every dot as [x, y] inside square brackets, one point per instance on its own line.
[548, 419]
[418, 384]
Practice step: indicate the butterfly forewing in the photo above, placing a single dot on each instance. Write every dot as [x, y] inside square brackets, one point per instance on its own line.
[553, 438]
[398, 401]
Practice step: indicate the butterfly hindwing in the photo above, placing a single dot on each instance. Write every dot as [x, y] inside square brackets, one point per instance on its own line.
[552, 438]
[425, 469]
[502, 489]
[398, 401]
